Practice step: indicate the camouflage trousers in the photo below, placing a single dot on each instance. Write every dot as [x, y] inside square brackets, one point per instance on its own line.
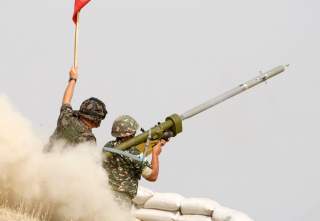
[123, 200]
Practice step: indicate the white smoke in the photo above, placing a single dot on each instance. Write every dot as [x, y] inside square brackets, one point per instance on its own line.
[68, 185]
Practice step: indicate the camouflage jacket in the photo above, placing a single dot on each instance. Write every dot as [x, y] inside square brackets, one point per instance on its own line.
[71, 129]
[124, 173]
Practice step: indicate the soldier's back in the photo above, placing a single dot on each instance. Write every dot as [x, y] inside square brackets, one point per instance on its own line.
[71, 129]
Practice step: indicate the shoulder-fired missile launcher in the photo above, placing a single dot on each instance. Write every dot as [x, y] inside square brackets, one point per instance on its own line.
[172, 126]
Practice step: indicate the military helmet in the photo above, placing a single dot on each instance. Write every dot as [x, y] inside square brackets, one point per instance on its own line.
[93, 109]
[124, 126]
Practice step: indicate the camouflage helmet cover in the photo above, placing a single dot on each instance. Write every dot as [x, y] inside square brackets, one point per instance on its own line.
[124, 126]
[93, 109]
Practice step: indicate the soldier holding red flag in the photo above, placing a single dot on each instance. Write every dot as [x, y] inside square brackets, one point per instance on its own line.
[75, 127]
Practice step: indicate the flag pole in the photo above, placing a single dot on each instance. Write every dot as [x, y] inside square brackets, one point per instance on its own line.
[76, 34]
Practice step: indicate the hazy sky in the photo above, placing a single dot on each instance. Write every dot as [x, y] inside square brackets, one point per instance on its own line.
[258, 152]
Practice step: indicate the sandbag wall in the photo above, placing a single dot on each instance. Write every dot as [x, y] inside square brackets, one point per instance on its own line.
[152, 206]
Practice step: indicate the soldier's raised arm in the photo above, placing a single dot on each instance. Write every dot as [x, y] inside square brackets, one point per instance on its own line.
[151, 174]
[73, 77]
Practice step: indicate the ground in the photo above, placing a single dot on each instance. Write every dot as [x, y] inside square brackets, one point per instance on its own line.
[11, 215]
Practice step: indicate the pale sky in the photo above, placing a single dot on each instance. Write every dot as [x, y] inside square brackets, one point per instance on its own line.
[257, 153]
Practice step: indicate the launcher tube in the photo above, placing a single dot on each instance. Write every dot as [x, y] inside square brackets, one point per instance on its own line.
[233, 92]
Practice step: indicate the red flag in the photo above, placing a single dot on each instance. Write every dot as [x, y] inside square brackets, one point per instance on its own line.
[78, 5]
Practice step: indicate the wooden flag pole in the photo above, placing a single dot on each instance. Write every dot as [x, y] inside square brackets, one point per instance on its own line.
[76, 34]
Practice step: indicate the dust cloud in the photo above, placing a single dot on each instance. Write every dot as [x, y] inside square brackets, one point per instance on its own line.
[63, 185]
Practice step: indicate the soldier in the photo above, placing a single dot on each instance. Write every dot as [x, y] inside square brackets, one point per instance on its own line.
[75, 127]
[125, 171]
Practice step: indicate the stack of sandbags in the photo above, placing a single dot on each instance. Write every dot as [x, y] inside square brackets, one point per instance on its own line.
[150, 206]
[158, 207]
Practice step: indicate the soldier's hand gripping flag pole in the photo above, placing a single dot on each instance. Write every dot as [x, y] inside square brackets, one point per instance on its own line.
[78, 5]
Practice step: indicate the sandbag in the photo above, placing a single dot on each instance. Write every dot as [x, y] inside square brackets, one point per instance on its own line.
[143, 195]
[223, 214]
[239, 216]
[198, 206]
[154, 215]
[193, 218]
[226, 214]
[164, 201]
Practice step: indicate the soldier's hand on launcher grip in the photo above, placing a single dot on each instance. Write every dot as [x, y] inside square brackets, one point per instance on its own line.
[158, 148]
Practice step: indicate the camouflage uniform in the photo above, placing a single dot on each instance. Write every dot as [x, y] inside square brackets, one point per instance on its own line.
[124, 173]
[71, 129]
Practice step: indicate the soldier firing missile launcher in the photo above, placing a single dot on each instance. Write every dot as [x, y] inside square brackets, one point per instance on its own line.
[172, 126]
